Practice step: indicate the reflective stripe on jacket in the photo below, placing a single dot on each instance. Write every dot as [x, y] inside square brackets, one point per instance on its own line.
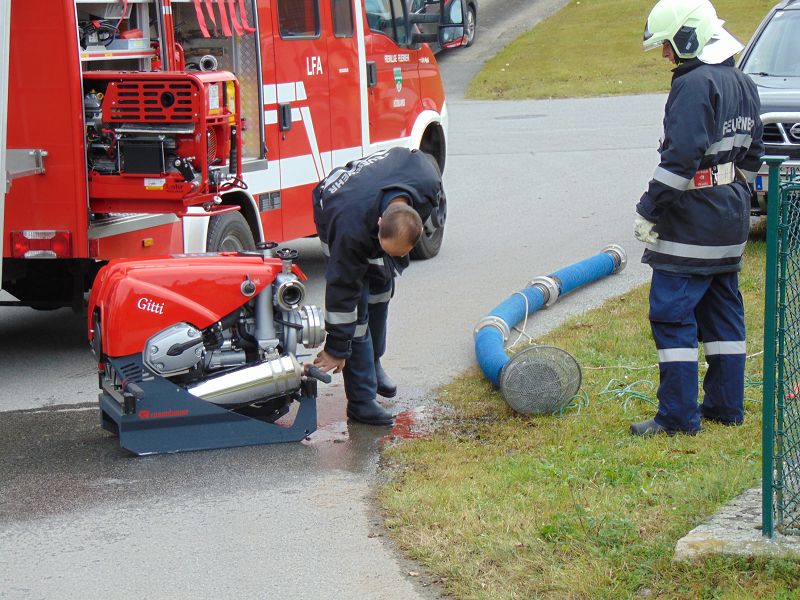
[712, 117]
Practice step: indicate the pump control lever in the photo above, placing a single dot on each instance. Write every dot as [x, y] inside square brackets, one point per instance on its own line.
[315, 373]
[184, 167]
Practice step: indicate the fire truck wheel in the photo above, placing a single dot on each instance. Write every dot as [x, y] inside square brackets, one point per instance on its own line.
[428, 245]
[431, 242]
[229, 232]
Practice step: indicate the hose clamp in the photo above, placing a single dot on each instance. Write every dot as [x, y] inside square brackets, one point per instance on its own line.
[549, 288]
[497, 323]
[618, 256]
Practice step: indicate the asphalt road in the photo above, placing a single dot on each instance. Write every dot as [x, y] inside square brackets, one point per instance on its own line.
[532, 187]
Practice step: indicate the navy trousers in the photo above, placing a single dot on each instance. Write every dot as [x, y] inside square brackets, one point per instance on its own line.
[369, 342]
[685, 309]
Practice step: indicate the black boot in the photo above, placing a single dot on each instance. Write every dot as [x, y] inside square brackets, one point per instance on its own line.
[360, 385]
[369, 412]
[386, 387]
[648, 428]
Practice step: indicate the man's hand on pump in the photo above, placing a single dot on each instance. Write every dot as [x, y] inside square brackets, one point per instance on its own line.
[325, 362]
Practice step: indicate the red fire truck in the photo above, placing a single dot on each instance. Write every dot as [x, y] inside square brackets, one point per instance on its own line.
[176, 126]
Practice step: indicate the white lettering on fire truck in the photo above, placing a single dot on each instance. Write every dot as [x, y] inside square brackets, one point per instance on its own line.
[148, 305]
[313, 65]
[399, 102]
[396, 58]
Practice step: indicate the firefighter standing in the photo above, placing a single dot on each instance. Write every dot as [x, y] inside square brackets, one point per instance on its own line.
[695, 215]
[369, 215]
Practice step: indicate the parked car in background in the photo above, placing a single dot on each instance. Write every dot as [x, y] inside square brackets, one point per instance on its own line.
[772, 60]
[470, 20]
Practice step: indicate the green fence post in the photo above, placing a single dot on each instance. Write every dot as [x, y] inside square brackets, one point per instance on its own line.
[770, 302]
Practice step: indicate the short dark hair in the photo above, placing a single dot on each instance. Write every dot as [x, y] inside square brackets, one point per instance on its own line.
[400, 222]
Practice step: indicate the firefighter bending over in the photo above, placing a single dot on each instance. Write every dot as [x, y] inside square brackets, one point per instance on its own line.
[695, 215]
[369, 215]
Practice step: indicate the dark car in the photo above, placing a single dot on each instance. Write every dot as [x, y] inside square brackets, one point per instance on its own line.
[470, 19]
[772, 60]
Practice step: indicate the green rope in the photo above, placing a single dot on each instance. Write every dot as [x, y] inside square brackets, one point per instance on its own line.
[617, 389]
[578, 402]
[749, 382]
[641, 389]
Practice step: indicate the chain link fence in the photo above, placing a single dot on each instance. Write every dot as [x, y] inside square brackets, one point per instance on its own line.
[781, 450]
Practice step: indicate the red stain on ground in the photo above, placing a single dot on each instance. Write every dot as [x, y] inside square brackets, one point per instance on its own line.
[405, 426]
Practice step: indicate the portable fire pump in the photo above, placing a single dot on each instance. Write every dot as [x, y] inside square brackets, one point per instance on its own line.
[201, 351]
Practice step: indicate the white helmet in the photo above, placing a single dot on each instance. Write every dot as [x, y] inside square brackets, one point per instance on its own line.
[693, 30]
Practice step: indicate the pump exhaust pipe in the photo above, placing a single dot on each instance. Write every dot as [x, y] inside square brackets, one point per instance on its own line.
[269, 379]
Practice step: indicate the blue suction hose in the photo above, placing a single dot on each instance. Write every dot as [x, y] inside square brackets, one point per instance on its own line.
[493, 330]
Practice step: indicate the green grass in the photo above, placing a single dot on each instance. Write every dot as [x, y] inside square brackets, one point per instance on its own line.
[496, 505]
[594, 48]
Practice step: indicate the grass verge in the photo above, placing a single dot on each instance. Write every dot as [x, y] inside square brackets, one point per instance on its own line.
[499, 506]
[593, 48]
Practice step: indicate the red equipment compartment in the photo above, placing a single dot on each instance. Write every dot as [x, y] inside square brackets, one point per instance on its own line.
[161, 141]
[138, 297]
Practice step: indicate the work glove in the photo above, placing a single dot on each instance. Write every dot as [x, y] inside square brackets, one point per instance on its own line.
[643, 230]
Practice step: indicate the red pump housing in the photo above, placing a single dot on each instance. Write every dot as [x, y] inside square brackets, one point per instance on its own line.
[135, 298]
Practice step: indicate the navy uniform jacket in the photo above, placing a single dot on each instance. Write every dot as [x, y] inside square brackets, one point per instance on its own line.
[347, 205]
[712, 117]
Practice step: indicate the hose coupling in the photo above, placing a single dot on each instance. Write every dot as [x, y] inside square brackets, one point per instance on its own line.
[549, 286]
[313, 322]
[208, 62]
[497, 323]
[617, 254]
[289, 291]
